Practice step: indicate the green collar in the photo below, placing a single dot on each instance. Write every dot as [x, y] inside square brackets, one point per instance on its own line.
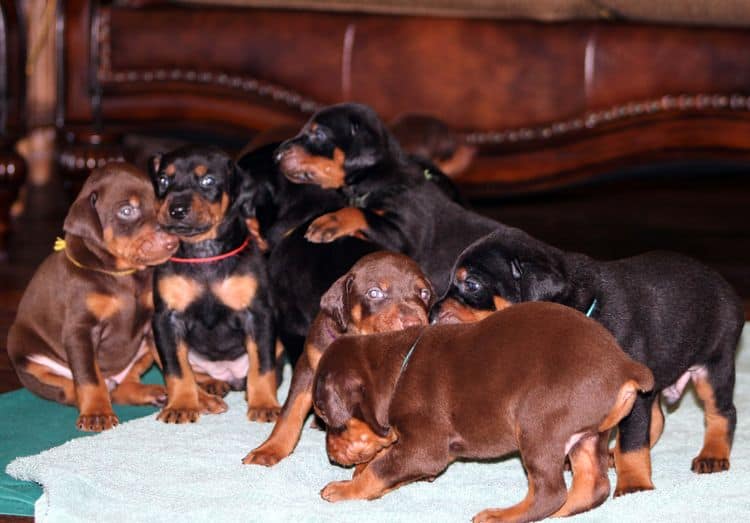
[591, 308]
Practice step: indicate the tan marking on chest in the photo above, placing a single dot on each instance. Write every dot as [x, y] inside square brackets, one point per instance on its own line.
[236, 292]
[147, 299]
[178, 292]
[102, 306]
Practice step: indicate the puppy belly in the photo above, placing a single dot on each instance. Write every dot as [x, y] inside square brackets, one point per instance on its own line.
[674, 392]
[59, 369]
[233, 372]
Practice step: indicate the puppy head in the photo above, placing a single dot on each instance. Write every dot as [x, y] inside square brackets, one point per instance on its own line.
[382, 292]
[505, 267]
[337, 142]
[197, 189]
[430, 138]
[116, 211]
[344, 397]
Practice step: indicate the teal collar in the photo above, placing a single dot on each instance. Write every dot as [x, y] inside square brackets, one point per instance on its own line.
[410, 352]
[591, 308]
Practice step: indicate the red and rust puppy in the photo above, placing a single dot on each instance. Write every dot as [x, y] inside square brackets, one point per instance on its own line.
[382, 292]
[82, 335]
[540, 378]
[213, 322]
[669, 312]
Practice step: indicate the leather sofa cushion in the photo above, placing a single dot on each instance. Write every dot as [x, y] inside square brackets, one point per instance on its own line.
[690, 12]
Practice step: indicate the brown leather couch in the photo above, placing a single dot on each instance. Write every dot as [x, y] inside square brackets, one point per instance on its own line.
[550, 91]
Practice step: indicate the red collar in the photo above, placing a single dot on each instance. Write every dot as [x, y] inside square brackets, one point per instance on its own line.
[213, 258]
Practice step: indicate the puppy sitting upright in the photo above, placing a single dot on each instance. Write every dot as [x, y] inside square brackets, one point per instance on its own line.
[669, 312]
[82, 335]
[213, 322]
[382, 292]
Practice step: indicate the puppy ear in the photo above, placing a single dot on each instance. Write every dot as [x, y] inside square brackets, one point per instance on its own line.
[335, 302]
[544, 278]
[154, 163]
[82, 218]
[333, 396]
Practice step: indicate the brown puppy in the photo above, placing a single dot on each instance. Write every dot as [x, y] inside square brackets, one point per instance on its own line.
[538, 377]
[382, 292]
[82, 335]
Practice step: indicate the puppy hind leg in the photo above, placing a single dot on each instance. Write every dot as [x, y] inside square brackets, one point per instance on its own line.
[132, 392]
[590, 481]
[715, 387]
[44, 383]
[632, 452]
[544, 463]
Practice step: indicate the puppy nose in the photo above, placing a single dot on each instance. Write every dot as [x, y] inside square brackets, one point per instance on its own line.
[178, 210]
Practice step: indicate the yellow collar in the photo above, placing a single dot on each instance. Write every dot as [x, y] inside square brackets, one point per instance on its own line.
[60, 245]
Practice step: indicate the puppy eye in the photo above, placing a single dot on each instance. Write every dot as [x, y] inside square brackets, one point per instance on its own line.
[128, 212]
[207, 181]
[471, 285]
[425, 295]
[162, 181]
[515, 269]
[375, 294]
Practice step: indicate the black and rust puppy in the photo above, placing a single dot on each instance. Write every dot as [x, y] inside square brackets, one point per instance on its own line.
[392, 199]
[82, 335]
[382, 292]
[213, 321]
[539, 378]
[668, 311]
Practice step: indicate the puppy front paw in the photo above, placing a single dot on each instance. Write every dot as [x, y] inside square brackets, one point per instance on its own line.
[324, 229]
[265, 455]
[97, 422]
[216, 387]
[338, 491]
[263, 414]
[177, 414]
[708, 465]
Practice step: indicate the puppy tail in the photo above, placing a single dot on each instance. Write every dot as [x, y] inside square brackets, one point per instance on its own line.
[641, 380]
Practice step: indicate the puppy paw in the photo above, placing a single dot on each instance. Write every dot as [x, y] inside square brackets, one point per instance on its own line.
[631, 489]
[179, 415]
[155, 395]
[324, 229]
[97, 422]
[216, 387]
[267, 456]
[263, 413]
[210, 404]
[707, 465]
[337, 491]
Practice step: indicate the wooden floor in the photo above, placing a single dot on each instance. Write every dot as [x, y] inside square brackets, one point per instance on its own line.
[707, 217]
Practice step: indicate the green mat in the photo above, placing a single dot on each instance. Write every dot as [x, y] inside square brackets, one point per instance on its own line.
[30, 425]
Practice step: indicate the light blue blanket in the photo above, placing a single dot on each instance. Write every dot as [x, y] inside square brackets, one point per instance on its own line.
[145, 470]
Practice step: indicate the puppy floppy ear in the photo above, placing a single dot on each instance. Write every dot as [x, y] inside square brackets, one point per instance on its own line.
[542, 276]
[333, 397]
[336, 303]
[82, 218]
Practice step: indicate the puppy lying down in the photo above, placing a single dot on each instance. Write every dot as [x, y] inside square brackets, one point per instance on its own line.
[539, 378]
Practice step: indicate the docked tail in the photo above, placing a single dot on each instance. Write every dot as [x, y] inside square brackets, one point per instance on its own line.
[641, 380]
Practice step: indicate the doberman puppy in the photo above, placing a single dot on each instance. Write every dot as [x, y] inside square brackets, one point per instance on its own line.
[300, 271]
[425, 136]
[213, 321]
[82, 335]
[540, 378]
[393, 200]
[382, 292]
[669, 312]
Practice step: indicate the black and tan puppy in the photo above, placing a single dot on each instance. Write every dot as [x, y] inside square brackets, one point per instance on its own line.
[669, 312]
[213, 321]
[82, 335]
[393, 200]
[382, 292]
[539, 378]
